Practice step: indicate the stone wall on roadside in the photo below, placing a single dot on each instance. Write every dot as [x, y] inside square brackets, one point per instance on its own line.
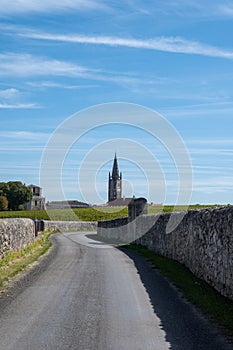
[15, 234]
[203, 241]
[66, 226]
[115, 230]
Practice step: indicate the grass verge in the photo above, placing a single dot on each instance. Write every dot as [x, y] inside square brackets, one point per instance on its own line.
[15, 262]
[216, 307]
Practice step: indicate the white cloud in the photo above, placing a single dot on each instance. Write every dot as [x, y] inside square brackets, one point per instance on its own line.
[197, 10]
[43, 6]
[207, 110]
[227, 152]
[178, 7]
[27, 65]
[226, 9]
[210, 170]
[24, 135]
[11, 99]
[182, 8]
[210, 142]
[18, 106]
[214, 184]
[9, 93]
[51, 84]
[165, 44]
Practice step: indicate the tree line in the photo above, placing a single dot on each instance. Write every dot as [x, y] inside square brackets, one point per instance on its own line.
[13, 194]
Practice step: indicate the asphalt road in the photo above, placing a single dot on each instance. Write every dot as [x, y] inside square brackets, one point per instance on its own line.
[91, 296]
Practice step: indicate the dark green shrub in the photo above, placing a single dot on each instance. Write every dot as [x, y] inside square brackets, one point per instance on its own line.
[3, 203]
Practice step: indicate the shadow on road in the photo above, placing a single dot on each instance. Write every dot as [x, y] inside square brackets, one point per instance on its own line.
[185, 328]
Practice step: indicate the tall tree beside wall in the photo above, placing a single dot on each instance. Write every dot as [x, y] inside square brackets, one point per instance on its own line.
[16, 193]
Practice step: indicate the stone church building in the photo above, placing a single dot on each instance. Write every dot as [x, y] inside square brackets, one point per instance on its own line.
[115, 187]
[114, 182]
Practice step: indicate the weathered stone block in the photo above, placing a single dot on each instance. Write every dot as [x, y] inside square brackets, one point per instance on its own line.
[15, 234]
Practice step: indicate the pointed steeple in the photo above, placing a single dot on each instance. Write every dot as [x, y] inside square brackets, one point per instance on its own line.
[115, 170]
[114, 182]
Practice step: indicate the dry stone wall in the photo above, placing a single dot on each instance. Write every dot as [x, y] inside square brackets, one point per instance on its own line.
[203, 242]
[15, 234]
[65, 226]
[114, 230]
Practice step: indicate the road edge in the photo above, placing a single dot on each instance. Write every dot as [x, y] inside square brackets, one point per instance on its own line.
[22, 280]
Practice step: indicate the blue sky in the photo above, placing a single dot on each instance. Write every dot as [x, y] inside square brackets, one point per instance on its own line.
[174, 57]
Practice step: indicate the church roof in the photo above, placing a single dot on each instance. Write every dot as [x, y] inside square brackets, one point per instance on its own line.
[119, 202]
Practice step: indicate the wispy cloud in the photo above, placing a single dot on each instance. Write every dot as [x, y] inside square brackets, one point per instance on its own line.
[210, 142]
[226, 9]
[11, 99]
[214, 184]
[9, 93]
[22, 141]
[208, 110]
[51, 84]
[19, 106]
[46, 6]
[178, 7]
[187, 9]
[223, 152]
[26, 65]
[210, 170]
[181, 8]
[24, 135]
[165, 44]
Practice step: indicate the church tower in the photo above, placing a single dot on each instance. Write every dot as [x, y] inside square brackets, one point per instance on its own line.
[114, 182]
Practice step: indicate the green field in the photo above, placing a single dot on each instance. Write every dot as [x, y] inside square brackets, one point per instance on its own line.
[155, 209]
[82, 214]
[90, 214]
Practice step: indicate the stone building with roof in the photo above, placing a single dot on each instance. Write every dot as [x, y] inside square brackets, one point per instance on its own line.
[38, 201]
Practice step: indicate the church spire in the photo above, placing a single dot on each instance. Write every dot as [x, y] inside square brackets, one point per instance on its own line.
[115, 170]
[114, 182]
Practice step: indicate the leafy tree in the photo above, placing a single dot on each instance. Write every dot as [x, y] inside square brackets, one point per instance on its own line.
[16, 193]
[3, 203]
[3, 188]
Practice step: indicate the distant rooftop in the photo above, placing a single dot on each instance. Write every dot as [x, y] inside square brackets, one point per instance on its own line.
[33, 186]
[66, 204]
[119, 202]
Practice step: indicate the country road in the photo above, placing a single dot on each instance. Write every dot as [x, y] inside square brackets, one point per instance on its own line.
[91, 296]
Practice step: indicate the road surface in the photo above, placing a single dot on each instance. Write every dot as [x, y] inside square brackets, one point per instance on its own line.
[91, 296]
